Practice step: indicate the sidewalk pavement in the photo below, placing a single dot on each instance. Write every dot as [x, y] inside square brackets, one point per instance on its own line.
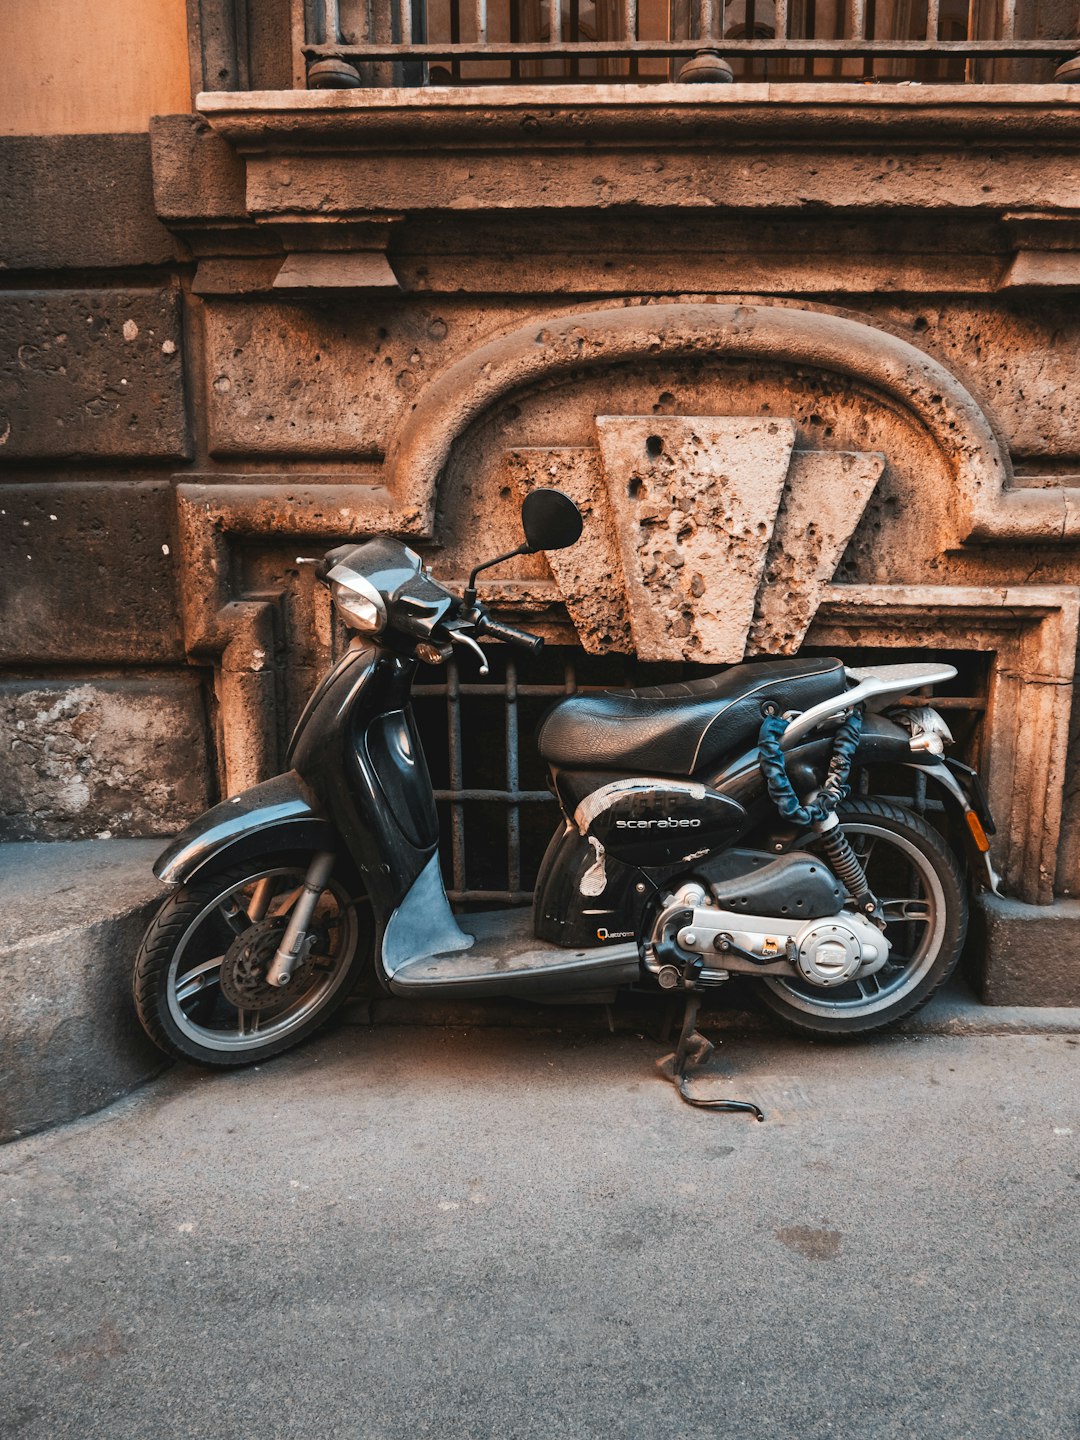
[399, 1232]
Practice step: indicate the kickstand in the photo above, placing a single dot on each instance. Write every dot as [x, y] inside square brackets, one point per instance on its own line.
[693, 1050]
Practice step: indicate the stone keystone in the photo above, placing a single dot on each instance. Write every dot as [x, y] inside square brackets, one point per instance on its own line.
[695, 500]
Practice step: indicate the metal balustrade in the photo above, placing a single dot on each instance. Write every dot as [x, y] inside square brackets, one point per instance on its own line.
[495, 811]
[466, 42]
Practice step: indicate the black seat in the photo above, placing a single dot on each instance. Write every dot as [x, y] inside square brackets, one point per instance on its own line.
[685, 728]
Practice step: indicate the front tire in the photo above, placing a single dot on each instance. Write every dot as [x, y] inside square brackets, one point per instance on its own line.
[915, 874]
[197, 980]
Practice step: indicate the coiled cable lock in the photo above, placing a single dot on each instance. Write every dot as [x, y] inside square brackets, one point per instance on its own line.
[820, 813]
[778, 782]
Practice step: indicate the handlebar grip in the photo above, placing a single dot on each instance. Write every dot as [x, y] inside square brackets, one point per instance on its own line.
[498, 631]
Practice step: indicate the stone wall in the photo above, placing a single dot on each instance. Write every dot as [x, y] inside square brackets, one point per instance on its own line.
[835, 327]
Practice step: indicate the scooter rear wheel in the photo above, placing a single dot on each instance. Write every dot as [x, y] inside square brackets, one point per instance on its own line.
[199, 979]
[916, 877]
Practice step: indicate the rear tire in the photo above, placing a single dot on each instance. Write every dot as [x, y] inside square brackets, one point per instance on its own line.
[177, 982]
[911, 869]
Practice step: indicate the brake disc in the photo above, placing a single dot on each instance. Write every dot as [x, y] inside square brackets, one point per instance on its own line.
[247, 961]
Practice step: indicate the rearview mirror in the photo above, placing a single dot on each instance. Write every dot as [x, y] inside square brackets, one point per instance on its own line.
[550, 519]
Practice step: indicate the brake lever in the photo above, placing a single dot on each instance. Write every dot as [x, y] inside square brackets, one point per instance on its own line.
[458, 637]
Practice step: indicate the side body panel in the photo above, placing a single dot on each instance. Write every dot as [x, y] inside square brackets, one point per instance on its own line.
[564, 916]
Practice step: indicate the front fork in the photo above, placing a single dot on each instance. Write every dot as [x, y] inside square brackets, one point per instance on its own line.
[287, 956]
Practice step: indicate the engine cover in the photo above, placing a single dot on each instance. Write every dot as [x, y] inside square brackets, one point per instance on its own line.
[832, 953]
[797, 884]
[826, 952]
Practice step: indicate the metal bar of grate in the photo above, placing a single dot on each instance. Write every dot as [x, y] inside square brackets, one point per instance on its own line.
[457, 778]
[513, 814]
[455, 38]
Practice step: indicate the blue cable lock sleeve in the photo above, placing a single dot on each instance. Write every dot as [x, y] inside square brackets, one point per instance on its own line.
[774, 768]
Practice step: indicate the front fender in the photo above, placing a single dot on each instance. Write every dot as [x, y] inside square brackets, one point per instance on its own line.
[280, 814]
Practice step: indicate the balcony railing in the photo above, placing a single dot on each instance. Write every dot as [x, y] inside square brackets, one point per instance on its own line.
[478, 42]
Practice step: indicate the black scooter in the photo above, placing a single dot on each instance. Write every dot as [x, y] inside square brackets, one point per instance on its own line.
[705, 832]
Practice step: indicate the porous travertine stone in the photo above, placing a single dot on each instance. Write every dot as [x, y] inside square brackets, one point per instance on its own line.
[695, 501]
[590, 573]
[823, 501]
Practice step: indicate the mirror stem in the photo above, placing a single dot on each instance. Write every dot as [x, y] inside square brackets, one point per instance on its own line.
[470, 593]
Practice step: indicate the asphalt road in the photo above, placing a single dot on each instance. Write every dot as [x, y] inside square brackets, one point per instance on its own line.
[500, 1233]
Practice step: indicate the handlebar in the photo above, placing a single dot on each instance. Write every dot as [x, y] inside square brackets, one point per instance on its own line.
[510, 634]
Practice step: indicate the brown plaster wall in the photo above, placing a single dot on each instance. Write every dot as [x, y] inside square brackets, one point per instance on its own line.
[91, 66]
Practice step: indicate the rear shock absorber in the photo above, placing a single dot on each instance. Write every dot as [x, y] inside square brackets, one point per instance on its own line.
[845, 864]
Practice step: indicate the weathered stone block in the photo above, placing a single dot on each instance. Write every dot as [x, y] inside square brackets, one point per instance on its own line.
[327, 379]
[694, 500]
[1020, 361]
[80, 202]
[87, 573]
[71, 919]
[824, 494]
[91, 373]
[589, 573]
[823, 501]
[101, 757]
[1027, 954]
[196, 173]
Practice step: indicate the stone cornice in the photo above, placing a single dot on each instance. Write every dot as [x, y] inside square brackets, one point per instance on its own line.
[313, 157]
[535, 115]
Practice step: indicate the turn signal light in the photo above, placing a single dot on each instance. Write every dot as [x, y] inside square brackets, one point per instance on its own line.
[978, 834]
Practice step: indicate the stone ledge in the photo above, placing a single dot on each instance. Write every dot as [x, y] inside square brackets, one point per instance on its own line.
[1030, 954]
[244, 114]
[71, 918]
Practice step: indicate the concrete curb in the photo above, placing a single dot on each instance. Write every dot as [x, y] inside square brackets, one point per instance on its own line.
[71, 919]
[954, 1012]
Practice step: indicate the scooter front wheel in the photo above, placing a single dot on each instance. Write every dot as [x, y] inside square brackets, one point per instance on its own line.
[200, 976]
[915, 875]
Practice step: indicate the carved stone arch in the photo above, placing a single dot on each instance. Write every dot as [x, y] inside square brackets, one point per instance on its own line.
[849, 349]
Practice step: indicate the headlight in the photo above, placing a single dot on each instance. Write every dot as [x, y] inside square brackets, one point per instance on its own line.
[361, 609]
